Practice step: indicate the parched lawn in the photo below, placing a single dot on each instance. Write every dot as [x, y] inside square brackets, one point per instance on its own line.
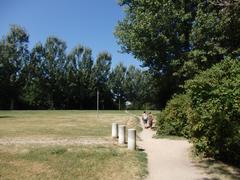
[64, 161]
[60, 123]
[72, 162]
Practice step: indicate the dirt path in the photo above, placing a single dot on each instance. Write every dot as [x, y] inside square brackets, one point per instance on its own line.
[54, 141]
[168, 159]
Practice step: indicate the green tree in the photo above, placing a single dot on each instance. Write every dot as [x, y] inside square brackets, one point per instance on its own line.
[178, 39]
[139, 88]
[88, 79]
[34, 92]
[157, 33]
[214, 36]
[13, 57]
[80, 79]
[54, 66]
[116, 84]
[101, 73]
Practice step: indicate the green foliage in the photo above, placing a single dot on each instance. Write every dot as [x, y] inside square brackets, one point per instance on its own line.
[157, 33]
[13, 57]
[133, 85]
[173, 120]
[46, 77]
[116, 83]
[214, 124]
[208, 112]
[178, 39]
[139, 89]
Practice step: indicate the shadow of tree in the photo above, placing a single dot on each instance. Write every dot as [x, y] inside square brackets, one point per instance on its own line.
[218, 170]
[5, 116]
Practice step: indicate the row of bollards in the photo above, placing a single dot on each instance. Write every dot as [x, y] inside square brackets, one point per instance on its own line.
[120, 133]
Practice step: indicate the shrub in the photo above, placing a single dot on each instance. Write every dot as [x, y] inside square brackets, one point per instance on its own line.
[173, 119]
[215, 101]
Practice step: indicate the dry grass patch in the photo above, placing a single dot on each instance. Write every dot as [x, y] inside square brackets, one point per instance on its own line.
[59, 123]
[74, 162]
[60, 145]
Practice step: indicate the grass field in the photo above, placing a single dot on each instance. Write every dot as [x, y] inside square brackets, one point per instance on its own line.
[37, 145]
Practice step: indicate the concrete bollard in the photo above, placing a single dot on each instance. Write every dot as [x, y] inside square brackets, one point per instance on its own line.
[121, 134]
[132, 139]
[114, 130]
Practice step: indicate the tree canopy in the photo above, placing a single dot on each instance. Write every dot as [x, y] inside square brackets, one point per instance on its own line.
[176, 39]
[49, 77]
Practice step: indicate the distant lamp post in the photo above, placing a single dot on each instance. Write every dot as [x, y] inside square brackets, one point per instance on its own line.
[97, 102]
[119, 103]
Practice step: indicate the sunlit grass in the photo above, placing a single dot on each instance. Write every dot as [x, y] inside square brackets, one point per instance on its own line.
[73, 162]
[59, 123]
[64, 161]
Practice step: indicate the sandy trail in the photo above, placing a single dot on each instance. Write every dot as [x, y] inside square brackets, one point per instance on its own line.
[169, 159]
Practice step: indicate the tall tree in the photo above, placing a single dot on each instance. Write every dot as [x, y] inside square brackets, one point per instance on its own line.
[88, 79]
[139, 88]
[101, 72]
[177, 39]
[157, 33]
[80, 79]
[54, 64]
[13, 57]
[34, 92]
[116, 84]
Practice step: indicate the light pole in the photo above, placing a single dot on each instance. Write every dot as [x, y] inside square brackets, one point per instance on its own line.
[97, 102]
[119, 103]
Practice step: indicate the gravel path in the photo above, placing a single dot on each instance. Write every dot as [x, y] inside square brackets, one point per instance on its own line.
[169, 159]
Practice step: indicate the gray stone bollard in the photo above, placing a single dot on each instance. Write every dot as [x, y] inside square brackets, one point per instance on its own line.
[114, 130]
[132, 139]
[121, 134]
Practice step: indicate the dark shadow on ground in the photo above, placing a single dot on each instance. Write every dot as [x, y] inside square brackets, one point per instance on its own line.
[218, 170]
[140, 149]
[6, 117]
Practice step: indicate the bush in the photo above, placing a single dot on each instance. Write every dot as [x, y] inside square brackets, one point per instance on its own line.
[215, 101]
[173, 119]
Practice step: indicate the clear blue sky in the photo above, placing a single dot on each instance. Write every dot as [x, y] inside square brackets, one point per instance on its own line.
[88, 22]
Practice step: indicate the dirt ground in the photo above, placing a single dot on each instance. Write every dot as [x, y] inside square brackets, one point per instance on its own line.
[169, 159]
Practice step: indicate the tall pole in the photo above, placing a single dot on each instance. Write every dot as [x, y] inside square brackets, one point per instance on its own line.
[97, 102]
[119, 104]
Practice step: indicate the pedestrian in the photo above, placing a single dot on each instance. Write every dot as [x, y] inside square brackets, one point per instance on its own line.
[150, 120]
[145, 119]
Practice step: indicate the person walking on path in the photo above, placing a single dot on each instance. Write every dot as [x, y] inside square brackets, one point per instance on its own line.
[145, 119]
[150, 120]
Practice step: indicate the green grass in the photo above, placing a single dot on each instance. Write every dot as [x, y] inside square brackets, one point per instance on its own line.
[39, 161]
[59, 123]
[73, 162]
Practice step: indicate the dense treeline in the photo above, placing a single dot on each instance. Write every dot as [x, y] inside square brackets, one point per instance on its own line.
[47, 77]
[193, 50]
